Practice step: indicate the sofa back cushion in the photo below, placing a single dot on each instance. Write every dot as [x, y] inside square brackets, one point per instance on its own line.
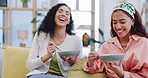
[14, 63]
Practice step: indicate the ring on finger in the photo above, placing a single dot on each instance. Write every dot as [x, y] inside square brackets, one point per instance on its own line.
[68, 58]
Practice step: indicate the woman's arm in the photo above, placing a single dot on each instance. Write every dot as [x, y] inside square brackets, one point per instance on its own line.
[33, 60]
[36, 60]
[98, 66]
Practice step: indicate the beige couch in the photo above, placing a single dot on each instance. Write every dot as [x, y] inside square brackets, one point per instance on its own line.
[15, 59]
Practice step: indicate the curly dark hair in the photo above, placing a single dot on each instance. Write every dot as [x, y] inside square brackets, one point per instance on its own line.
[138, 28]
[48, 24]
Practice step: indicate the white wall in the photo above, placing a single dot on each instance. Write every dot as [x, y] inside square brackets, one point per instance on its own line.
[105, 14]
[136, 4]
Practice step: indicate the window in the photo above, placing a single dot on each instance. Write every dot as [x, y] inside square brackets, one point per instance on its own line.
[1, 25]
[13, 20]
[21, 24]
[83, 16]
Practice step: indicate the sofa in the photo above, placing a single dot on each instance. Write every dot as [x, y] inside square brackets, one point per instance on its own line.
[14, 65]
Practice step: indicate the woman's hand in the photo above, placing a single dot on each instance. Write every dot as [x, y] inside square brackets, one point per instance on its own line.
[92, 57]
[50, 50]
[118, 69]
[71, 59]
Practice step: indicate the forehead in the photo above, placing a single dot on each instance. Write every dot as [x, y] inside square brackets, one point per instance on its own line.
[119, 15]
[65, 8]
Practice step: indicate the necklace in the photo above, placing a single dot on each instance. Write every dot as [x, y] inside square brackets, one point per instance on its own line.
[123, 45]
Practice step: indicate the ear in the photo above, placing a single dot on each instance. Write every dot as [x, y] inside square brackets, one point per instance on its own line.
[133, 22]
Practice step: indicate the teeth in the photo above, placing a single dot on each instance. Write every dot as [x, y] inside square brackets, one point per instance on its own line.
[121, 30]
[62, 19]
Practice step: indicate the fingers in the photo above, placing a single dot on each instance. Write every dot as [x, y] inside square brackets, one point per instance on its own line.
[63, 57]
[51, 48]
[93, 56]
[71, 58]
[50, 43]
[117, 68]
[68, 58]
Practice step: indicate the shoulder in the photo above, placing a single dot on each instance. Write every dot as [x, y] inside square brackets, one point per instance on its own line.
[109, 43]
[143, 41]
[138, 38]
[41, 36]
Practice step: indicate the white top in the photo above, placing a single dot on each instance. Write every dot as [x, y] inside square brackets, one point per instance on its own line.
[39, 49]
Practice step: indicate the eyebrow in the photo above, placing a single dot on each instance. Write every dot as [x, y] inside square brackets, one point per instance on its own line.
[62, 10]
[119, 20]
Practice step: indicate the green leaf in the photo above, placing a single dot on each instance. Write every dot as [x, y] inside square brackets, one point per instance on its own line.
[101, 33]
[25, 0]
[34, 20]
[39, 14]
[94, 41]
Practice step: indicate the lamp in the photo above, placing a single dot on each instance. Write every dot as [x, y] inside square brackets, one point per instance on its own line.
[22, 34]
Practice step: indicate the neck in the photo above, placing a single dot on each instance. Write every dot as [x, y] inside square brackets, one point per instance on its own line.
[124, 40]
[59, 36]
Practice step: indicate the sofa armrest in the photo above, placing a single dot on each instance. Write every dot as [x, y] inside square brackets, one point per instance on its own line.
[1, 61]
[14, 63]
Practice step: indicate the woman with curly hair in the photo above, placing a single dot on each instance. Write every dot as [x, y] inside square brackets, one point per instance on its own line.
[55, 31]
[129, 37]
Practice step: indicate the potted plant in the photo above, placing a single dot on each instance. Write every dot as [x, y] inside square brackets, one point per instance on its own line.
[25, 3]
[102, 36]
[35, 20]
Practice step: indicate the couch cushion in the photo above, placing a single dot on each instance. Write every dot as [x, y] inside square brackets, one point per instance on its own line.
[14, 64]
[77, 72]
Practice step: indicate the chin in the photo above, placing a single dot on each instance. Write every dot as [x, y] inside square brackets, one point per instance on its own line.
[61, 25]
[121, 35]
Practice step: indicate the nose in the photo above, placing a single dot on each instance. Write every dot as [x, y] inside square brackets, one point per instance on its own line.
[63, 14]
[118, 25]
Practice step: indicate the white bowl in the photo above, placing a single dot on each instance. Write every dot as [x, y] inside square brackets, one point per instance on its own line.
[111, 57]
[69, 53]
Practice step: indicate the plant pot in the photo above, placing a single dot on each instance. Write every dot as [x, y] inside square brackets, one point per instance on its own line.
[25, 4]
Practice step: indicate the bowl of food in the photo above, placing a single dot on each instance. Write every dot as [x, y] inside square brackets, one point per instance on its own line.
[111, 57]
[69, 53]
